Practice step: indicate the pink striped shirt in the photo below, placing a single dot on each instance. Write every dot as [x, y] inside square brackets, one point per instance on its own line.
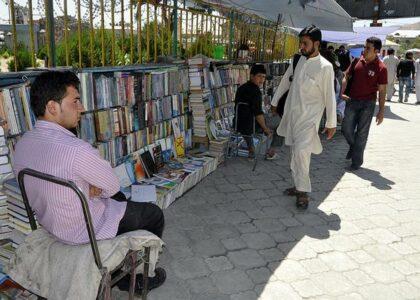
[52, 149]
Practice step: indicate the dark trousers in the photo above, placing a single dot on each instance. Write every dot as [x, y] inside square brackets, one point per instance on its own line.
[146, 216]
[356, 124]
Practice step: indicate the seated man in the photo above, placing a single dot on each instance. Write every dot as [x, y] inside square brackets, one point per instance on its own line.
[250, 95]
[53, 149]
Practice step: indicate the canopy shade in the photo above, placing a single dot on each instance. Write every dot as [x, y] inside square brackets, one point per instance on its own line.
[387, 8]
[359, 35]
[326, 14]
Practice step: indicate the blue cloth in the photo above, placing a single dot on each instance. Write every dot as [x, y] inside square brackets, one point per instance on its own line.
[404, 81]
[356, 124]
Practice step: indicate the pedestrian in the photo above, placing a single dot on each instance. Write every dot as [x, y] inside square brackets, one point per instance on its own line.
[344, 58]
[405, 74]
[417, 81]
[362, 81]
[391, 62]
[311, 91]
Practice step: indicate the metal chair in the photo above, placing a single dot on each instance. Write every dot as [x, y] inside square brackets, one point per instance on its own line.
[233, 145]
[128, 266]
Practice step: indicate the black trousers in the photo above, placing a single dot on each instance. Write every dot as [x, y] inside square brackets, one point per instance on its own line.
[146, 216]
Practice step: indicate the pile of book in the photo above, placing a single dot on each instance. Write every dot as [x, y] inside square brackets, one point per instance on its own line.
[201, 99]
[18, 218]
[218, 148]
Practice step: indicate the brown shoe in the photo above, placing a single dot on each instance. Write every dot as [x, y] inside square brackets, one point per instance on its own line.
[302, 200]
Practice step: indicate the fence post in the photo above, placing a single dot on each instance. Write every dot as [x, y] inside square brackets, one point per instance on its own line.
[231, 33]
[175, 30]
[51, 32]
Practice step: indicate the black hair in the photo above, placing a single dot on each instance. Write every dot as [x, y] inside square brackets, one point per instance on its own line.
[258, 69]
[377, 43]
[313, 32]
[409, 54]
[330, 47]
[51, 85]
[390, 51]
[342, 46]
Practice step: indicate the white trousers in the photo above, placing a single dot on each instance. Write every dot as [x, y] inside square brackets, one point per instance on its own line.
[418, 91]
[390, 90]
[299, 164]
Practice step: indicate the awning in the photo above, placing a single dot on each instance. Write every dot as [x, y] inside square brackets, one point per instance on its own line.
[359, 35]
[326, 14]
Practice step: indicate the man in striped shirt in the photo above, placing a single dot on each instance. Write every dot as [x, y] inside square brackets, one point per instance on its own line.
[53, 149]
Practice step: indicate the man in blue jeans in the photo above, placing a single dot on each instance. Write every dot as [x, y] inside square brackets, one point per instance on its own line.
[365, 77]
[405, 75]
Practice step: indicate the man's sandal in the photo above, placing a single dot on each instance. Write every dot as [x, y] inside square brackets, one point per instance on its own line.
[302, 200]
[290, 192]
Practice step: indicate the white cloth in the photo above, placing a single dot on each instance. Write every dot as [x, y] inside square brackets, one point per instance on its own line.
[391, 63]
[417, 81]
[311, 91]
[55, 270]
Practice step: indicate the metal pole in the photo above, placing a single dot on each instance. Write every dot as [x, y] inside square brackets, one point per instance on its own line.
[139, 37]
[91, 33]
[122, 28]
[102, 33]
[50, 16]
[131, 32]
[175, 30]
[79, 32]
[275, 35]
[31, 33]
[12, 11]
[66, 40]
[231, 33]
[113, 32]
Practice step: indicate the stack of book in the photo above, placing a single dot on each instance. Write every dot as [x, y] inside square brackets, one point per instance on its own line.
[5, 166]
[4, 218]
[18, 218]
[201, 100]
[218, 148]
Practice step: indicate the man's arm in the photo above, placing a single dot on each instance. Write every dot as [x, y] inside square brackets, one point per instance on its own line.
[330, 102]
[96, 171]
[261, 121]
[380, 115]
[282, 88]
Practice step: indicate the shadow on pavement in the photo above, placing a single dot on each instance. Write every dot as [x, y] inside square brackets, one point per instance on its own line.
[376, 179]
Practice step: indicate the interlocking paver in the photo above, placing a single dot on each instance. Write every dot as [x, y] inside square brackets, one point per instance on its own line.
[359, 238]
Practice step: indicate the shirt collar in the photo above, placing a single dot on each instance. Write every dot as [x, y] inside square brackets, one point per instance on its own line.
[318, 57]
[362, 59]
[42, 124]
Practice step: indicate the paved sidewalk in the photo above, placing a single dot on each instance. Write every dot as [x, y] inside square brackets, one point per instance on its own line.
[235, 236]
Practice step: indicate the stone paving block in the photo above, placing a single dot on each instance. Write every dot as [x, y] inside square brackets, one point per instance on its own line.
[351, 296]
[208, 296]
[233, 243]
[190, 268]
[180, 251]
[232, 281]
[379, 291]
[208, 248]
[382, 272]
[406, 290]
[261, 275]
[413, 241]
[343, 243]
[278, 290]
[364, 224]
[258, 240]
[254, 194]
[201, 285]
[256, 214]
[349, 228]
[269, 225]
[272, 254]
[382, 252]
[319, 246]
[338, 261]
[358, 278]
[246, 227]
[227, 188]
[362, 239]
[414, 280]
[222, 231]
[273, 192]
[382, 221]
[414, 259]
[219, 263]
[197, 234]
[310, 219]
[276, 212]
[314, 265]
[382, 235]
[402, 248]
[290, 222]
[332, 283]
[266, 202]
[248, 295]
[307, 288]
[282, 237]
[172, 236]
[301, 251]
[360, 256]
[247, 258]
[405, 267]
[288, 270]
[246, 186]
[236, 217]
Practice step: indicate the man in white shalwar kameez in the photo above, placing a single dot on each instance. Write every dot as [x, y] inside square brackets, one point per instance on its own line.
[311, 91]
[391, 63]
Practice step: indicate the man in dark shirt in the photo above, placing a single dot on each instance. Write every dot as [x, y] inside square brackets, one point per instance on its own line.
[249, 98]
[368, 76]
[343, 58]
[405, 73]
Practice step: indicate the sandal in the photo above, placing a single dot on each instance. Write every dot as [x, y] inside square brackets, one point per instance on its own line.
[290, 192]
[302, 200]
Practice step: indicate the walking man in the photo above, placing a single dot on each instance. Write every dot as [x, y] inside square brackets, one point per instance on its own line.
[365, 77]
[417, 81]
[405, 74]
[311, 91]
[391, 63]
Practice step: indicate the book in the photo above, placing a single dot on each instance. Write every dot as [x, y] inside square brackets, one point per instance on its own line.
[148, 163]
[143, 193]
[157, 156]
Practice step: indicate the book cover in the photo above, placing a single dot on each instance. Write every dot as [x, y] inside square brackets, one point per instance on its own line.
[157, 155]
[148, 163]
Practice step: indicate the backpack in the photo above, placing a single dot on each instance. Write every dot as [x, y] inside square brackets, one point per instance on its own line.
[282, 100]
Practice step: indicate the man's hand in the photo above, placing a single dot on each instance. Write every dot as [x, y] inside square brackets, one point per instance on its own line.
[94, 191]
[330, 132]
[345, 97]
[268, 132]
[380, 117]
[273, 110]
